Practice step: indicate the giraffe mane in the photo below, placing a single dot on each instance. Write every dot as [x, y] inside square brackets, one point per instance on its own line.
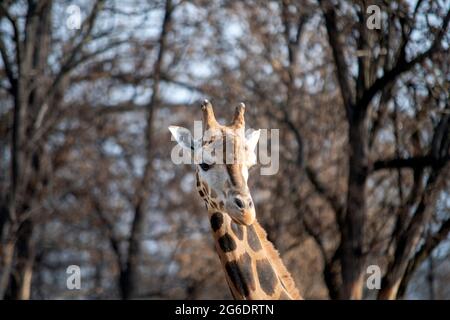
[274, 256]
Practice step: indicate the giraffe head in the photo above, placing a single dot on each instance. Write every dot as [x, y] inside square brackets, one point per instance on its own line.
[223, 157]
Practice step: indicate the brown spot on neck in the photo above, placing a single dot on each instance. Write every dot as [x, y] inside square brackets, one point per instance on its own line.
[216, 221]
[252, 239]
[227, 243]
[240, 274]
[237, 229]
[266, 275]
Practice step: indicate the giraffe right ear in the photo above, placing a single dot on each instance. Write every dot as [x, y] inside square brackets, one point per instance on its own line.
[183, 137]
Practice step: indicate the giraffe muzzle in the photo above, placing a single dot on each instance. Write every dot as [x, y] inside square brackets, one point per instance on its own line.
[242, 210]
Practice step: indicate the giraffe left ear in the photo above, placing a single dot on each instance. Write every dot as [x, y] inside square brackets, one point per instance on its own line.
[252, 137]
[183, 137]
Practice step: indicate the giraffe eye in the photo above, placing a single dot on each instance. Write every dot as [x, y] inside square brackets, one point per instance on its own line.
[205, 166]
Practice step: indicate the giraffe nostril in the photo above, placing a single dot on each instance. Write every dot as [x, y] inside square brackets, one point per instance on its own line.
[239, 203]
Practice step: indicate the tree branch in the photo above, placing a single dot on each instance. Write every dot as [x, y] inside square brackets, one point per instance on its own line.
[70, 62]
[414, 163]
[13, 21]
[334, 38]
[332, 200]
[428, 247]
[8, 65]
[403, 66]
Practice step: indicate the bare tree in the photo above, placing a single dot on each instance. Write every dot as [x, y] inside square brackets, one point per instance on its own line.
[86, 176]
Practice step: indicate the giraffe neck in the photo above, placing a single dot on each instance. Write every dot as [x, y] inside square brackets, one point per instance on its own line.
[252, 266]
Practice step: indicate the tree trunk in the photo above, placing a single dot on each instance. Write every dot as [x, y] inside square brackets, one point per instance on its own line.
[25, 286]
[8, 258]
[389, 292]
[128, 276]
[408, 241]
[20, 289]
[353, 226]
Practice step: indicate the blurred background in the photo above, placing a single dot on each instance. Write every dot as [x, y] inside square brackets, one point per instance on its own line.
[360, 95]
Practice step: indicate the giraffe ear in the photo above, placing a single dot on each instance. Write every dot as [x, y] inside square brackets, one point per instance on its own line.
[252, 137]
[183, 137]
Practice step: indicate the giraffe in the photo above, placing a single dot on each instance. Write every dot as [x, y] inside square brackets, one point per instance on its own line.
[253, 268]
